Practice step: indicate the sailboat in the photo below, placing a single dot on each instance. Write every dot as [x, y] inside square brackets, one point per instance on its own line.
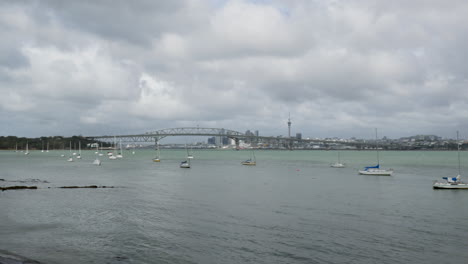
[70, 158]
[16, 147]
[190, 156]
[97, 161]
[120, 155]
[63, 155]
[99, 152]
[74, 147]
[186, 163]
[42, 150]
[376, 170]
[47, 146]
[111, 154]
[27, 149]
[338, 164]
[79, 150]
[158, 153]
[452, 182]
[251, 161]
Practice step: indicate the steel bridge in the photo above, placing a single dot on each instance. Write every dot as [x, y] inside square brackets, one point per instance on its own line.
[167, 132]
[156, 136]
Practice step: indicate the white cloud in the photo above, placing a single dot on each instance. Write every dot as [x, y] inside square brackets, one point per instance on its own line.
[159, 100]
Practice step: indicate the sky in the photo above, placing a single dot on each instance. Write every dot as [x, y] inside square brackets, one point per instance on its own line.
[339, 68]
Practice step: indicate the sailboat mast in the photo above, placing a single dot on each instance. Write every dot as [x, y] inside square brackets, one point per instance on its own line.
[377, 147]
[458, 152]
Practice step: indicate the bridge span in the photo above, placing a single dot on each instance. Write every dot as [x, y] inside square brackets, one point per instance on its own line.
[156, 136]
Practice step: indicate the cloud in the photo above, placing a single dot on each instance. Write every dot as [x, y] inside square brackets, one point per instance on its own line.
[340, 68]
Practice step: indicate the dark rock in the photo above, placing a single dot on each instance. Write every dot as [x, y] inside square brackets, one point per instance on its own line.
[75, 187]
[17, 187]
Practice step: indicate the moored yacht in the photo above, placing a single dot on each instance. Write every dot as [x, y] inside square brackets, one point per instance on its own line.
[452, 182]
[376, 170]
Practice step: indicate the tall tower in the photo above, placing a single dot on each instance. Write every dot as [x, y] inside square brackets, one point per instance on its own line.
[289, 126]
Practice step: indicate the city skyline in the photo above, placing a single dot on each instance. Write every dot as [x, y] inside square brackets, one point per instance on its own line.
[333, 68]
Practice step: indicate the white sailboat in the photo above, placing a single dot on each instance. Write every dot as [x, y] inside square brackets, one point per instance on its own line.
[27, 149]
[74, 147]
[98, 152]
[186, 163]
[376, 170]
[79, 150]
[338, 164]
[97, 161]
[190, 155]
[251, 161]
[452, 182]
[63, 155]
[120, 155]
[16, 147]
[70, 158]
[42, 150]
[158, 153]
[111, 154]
[47, 146]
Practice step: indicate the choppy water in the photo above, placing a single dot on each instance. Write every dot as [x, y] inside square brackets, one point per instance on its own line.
[290, 208]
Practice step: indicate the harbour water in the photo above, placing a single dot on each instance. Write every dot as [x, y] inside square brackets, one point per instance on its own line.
[290, 208]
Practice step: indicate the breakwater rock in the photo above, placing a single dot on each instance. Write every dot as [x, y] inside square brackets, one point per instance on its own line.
[17, 188]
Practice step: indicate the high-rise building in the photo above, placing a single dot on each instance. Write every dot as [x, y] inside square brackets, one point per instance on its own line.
[299, 135]
[211, 140]
[289, 126]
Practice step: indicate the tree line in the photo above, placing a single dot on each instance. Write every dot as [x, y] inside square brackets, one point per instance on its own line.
[55, 142]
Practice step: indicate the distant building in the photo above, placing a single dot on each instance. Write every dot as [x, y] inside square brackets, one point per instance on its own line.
[211, 141]
[249, 133]
[299, 135]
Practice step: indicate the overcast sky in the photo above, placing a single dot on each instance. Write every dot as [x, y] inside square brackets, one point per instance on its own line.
[340, 68]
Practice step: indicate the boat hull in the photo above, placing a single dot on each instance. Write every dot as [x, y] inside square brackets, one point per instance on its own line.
[442, 185]
[337, 165]
[376, 172]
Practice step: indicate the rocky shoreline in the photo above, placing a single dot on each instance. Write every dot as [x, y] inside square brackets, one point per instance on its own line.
[8, 185]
